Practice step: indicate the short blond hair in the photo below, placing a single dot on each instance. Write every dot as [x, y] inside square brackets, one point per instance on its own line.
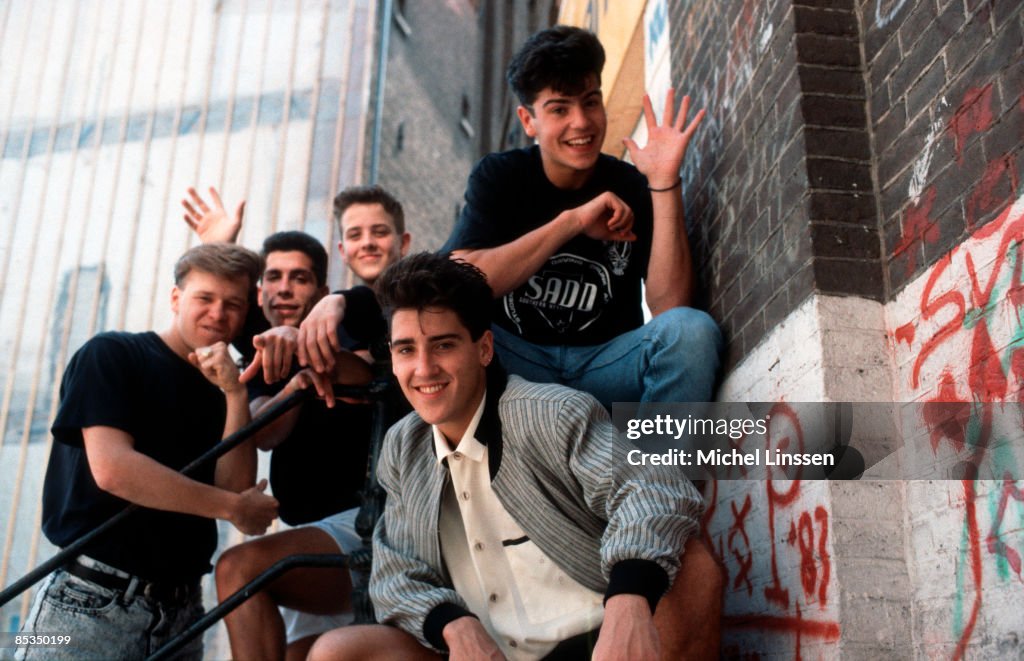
[225, 260]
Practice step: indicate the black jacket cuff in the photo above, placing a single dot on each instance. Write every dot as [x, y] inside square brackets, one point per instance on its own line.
[643, 577]
[438, 619]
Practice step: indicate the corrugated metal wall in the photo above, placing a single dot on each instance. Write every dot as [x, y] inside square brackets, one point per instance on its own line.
[109, 110]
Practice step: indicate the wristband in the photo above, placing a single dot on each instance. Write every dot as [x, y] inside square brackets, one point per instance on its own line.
[679, 182]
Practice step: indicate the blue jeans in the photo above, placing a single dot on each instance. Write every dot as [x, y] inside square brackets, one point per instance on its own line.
[672, 358]
[104, 624]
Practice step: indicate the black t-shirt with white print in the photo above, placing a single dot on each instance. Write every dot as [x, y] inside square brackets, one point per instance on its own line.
[588, 292]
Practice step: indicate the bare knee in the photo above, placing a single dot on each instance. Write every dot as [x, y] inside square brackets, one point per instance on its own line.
[236, 566]
[331, 646]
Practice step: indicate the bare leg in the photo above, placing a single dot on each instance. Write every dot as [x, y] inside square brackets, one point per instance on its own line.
[369, 642]
[688, 618]
[255, 629]
[299, 649]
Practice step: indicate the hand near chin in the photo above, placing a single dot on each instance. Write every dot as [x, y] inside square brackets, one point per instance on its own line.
[217, 366]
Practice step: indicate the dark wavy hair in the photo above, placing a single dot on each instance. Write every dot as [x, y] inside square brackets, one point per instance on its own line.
[302, 242]
[562, 58]
[430, 280]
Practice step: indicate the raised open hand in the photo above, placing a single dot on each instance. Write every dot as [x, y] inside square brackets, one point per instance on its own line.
[662, 156]
[212, 223]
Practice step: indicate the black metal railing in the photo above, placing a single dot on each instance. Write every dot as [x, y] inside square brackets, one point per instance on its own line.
[225, 607]
[376, 391]
[381, 393]
[73, 550]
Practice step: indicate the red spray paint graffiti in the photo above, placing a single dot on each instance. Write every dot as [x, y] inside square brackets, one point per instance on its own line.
[994, 542]
[963, 314]
[743, 556]
[971, 336]
[917, 227]
[805, 549]
[973, 116]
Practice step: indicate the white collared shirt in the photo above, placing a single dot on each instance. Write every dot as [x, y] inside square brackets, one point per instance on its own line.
[523, 599]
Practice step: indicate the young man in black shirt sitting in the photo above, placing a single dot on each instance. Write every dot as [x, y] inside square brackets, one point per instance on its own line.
[566, 236]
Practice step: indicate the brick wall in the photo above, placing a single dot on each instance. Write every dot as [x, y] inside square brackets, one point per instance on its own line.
[903, 225]
[745, 177]
[840, 202]
[849, 144]
[946, 89]
[779, 185]
[425, 150]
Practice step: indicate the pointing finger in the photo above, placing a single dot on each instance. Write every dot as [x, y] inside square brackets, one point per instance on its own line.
[250, 371]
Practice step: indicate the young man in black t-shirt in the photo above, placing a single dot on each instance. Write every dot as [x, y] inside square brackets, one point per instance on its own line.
[136, 408]
[566, 235]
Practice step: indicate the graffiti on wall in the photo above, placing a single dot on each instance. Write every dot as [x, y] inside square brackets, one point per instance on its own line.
[998, 184]
[747, 46]
[959, 338]
[780, 594]
[886, 10]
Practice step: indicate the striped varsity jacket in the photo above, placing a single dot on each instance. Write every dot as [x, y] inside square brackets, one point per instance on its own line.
[560, 470]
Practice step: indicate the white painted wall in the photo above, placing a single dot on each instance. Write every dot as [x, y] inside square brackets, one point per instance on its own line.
[109, 110]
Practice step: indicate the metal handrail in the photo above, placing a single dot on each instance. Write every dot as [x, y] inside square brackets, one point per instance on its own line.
[359, 561]
[249, 589]
[232, 441]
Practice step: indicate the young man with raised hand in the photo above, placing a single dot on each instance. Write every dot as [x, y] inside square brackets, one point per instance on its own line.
[567, 234]
[136, 408]
[513, 528]
[319, 453]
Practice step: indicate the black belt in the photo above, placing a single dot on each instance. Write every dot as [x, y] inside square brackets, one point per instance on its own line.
[166, 593]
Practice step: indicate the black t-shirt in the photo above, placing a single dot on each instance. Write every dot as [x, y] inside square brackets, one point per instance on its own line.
[135, 383]
[320, 468]
[588, 292]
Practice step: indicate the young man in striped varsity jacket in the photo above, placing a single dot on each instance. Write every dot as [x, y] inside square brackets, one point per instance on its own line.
[514, 526]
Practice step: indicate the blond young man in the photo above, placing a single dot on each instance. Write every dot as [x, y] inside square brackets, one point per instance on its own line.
[135, 409]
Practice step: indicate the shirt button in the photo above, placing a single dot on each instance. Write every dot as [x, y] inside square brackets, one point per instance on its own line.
[457, 455]
[465, 495]
[479, 546]
[513, 643]
[493, 598]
